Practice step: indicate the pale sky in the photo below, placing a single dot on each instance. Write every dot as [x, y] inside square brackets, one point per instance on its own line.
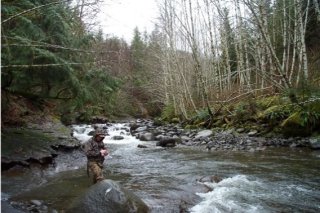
[120, 17]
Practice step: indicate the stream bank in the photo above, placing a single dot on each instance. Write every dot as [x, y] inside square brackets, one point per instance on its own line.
[35, 143]
[216, 140]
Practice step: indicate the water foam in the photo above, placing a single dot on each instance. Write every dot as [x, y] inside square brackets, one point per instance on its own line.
[81, 132]
[234, 194]
[120, 129]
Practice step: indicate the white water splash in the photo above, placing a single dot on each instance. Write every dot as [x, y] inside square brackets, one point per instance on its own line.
[81, 132]
[120, 130]
[230, 195]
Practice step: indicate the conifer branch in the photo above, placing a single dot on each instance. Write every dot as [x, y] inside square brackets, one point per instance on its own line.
[29, 10]
[46, 45]
[48, 65]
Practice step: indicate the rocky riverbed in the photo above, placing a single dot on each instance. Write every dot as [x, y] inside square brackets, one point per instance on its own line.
[49, 143]
[41, 143]
[229, 140]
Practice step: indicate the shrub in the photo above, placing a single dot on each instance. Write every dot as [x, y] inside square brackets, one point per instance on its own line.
[168, 113]
[200, 116]
[242, 112]
[276, 114]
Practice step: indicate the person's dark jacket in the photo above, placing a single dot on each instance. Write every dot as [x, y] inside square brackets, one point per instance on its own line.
[92, 150]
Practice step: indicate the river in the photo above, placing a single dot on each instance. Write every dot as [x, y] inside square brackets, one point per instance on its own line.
[274, 180]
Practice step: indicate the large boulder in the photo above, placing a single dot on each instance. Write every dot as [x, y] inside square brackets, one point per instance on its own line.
[148, 136]
[35, 144]
[168, 141]
[133, 127]
[108, 196]
[294, 125]
[204, 134]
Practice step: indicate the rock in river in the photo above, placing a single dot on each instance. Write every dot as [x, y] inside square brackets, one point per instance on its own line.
[314, 143]
[204, 134]
[167, 142]
[108, 196]
[117, 137]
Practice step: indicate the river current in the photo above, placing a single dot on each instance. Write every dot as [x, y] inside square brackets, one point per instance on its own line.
[274, 180]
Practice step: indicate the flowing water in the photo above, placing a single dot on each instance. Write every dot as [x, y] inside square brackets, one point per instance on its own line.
[275, 180]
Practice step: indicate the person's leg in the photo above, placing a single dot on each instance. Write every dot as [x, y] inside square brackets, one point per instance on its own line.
[97, 171]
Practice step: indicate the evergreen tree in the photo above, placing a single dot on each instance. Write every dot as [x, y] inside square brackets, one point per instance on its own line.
[138, 48]
[47, 55]
[230, 40]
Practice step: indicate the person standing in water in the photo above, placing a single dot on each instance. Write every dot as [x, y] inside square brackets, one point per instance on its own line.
[96, 151]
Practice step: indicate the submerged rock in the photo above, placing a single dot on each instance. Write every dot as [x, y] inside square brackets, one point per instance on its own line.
[117, 137]
[314, 143]
[210, 179]
[108, 196]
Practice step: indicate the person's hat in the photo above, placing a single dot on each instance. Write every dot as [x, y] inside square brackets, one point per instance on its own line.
[100, 133]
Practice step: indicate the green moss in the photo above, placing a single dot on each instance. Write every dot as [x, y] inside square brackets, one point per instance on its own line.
[293, 120]
[269, 115]
[242, 112]
[275, 114]
[301, 123]
[191, 127]
[175, 120]
[20, 142]
[266, 102]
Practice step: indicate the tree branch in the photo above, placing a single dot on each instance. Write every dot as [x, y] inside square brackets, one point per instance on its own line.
[29, 10]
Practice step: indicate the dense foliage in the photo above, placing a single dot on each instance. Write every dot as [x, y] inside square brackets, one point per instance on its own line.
[208, 64]
[46, 56]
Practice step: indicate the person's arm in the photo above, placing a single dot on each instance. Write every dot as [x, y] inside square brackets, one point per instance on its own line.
[92, 151]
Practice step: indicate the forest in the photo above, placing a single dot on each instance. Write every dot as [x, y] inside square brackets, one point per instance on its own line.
[207, 63]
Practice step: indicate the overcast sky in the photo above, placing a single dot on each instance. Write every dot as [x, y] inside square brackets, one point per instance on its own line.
[120, 17]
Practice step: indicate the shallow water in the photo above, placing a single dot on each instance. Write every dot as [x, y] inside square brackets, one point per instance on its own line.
[275, 180]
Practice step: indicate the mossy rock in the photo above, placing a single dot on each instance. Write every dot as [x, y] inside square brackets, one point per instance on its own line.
[274, 114]
[21, 144]
[294, 126]
[264, 103]
[294, 119]
[175, 120]
[35, 141]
